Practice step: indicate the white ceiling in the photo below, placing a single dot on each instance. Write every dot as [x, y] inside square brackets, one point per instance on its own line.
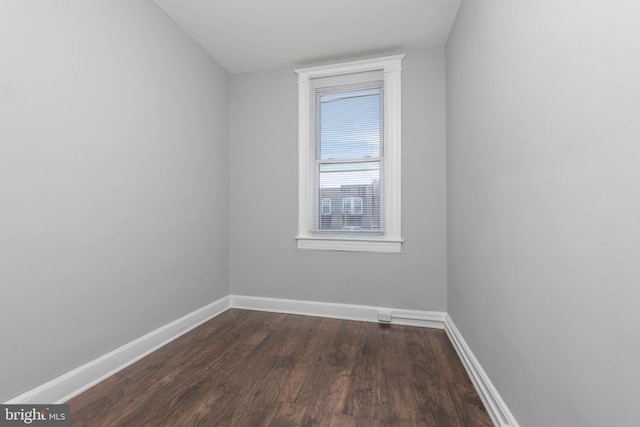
[253, 35]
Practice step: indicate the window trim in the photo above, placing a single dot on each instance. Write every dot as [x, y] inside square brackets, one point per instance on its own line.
[391, 241]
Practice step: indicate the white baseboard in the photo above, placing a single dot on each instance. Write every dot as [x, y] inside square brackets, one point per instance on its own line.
[66, 386]
[497, 409]
[74, 382]
[363, 313]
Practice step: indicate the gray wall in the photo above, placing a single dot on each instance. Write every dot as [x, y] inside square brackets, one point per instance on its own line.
[264, 164]
[113, 181]
[543, 103]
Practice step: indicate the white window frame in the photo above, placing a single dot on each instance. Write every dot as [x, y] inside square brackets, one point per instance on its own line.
[391, 240]
[322, 212]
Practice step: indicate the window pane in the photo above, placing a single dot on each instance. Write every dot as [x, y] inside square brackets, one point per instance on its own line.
[346, 206]
[326, 206]
[350, 125]
[341, 174]
[356, 188]
[356, 206]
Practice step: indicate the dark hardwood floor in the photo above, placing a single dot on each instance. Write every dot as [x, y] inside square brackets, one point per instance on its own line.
[250, 368]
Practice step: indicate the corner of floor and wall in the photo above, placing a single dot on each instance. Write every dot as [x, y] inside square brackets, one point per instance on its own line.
[135, 203]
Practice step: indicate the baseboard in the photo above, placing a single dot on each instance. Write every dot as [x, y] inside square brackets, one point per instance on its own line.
[363, 313]
[496, 407]
[66, 386]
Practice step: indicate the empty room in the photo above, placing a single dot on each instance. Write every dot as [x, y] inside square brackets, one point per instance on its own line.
[319, 213]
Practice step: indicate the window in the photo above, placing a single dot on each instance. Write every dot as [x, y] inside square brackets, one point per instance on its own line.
[352, 206]
[349, 152]
[326, 206]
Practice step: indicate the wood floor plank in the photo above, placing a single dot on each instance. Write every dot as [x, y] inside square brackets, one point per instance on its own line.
[397, 397]
[249, 368]
[287, 415]
[363, 396]
[435, 407]
[314, 357]
[300, 336]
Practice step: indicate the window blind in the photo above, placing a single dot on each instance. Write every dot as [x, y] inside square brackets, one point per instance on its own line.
[346, 151]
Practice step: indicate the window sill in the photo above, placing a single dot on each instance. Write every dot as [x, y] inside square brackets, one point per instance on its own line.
[350, 245]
